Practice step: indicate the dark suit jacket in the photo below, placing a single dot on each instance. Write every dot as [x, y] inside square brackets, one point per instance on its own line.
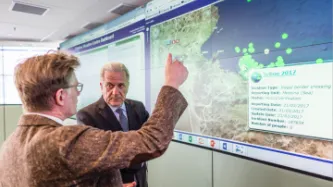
[41, 152]
[100, 115]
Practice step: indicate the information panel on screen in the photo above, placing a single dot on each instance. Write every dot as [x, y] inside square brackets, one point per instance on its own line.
[260, 74]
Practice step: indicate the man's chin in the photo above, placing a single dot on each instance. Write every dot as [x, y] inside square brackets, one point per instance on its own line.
[116, 104]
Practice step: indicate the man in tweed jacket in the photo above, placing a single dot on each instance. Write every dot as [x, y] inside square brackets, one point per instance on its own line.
[42, 152]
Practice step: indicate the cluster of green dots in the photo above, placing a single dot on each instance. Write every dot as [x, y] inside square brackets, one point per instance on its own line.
[279, 62]
[246, 62]
[246, 51]
[277, 45]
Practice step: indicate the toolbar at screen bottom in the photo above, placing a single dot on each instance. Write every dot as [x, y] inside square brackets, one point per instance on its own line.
[211, 143]
[307, 163]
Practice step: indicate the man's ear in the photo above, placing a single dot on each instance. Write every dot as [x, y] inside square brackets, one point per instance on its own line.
[101, 85]
[126, 91]
[127, 87]
[60, 97]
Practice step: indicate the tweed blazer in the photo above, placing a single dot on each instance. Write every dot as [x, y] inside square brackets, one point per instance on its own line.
[43, 153]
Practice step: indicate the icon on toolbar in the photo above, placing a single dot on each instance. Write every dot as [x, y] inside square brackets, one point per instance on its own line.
[225, 146]
[212, 143]
[201, 141]
[190, 139]
[239, 149]
[180, 137]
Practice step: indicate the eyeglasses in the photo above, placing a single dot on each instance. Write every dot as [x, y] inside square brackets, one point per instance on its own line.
[79, 87]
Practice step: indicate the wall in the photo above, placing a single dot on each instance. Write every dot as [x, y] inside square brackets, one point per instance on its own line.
[189, 166]
[2, 124]
[9, 116]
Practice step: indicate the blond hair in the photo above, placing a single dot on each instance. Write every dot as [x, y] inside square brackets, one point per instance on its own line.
[39, 77]
[115, 67]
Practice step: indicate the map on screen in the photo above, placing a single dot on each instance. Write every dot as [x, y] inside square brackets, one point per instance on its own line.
[217, 88]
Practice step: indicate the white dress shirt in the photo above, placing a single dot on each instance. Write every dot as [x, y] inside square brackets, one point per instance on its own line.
[123, 107]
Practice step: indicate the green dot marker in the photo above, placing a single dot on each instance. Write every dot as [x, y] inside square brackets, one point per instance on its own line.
[319, 61]
[251, 45]
[251, 50]
[244, 50]
[277, 45]
[279, 59]
[271, 65]
[285, 36]
[237, 49]
[249, 1]
[289, 51]
[279, 64]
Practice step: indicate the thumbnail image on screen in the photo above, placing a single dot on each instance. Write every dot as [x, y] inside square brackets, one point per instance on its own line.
[259, 72]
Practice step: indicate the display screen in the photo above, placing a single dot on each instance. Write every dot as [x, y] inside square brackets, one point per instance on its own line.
[260, 75]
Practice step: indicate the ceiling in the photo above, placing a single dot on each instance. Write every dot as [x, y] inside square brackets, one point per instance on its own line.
[64, 18]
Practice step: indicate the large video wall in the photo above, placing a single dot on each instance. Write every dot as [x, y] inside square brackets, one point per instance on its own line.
[260, 73]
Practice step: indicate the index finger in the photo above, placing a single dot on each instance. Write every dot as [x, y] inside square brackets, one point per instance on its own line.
[169, 60]
[177, 61]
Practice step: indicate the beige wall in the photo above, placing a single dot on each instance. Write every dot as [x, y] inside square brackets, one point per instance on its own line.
[189, 166]
[12, 113]
[181, 166]
[2, 124]
[237, 172]
[9, 116]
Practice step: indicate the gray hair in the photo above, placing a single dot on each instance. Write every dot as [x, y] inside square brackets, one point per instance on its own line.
[115, 67]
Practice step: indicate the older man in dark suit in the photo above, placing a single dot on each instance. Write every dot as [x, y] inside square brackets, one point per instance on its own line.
[116, 113]
[43, 152]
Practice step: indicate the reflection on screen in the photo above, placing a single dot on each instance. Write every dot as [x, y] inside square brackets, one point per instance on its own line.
[129, 51]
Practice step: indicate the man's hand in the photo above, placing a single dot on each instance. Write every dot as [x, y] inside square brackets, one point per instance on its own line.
[132, 184]
[175, 73]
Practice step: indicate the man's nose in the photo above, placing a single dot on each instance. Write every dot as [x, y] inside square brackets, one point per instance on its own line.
[115, 90]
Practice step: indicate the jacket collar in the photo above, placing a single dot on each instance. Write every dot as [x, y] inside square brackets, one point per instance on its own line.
[34, 119]
[108, 114]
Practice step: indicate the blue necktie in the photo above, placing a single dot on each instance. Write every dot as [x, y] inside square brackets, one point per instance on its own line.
[122, 120]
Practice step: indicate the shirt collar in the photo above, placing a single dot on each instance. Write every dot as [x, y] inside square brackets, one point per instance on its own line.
[58, 120]
[123, 107]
